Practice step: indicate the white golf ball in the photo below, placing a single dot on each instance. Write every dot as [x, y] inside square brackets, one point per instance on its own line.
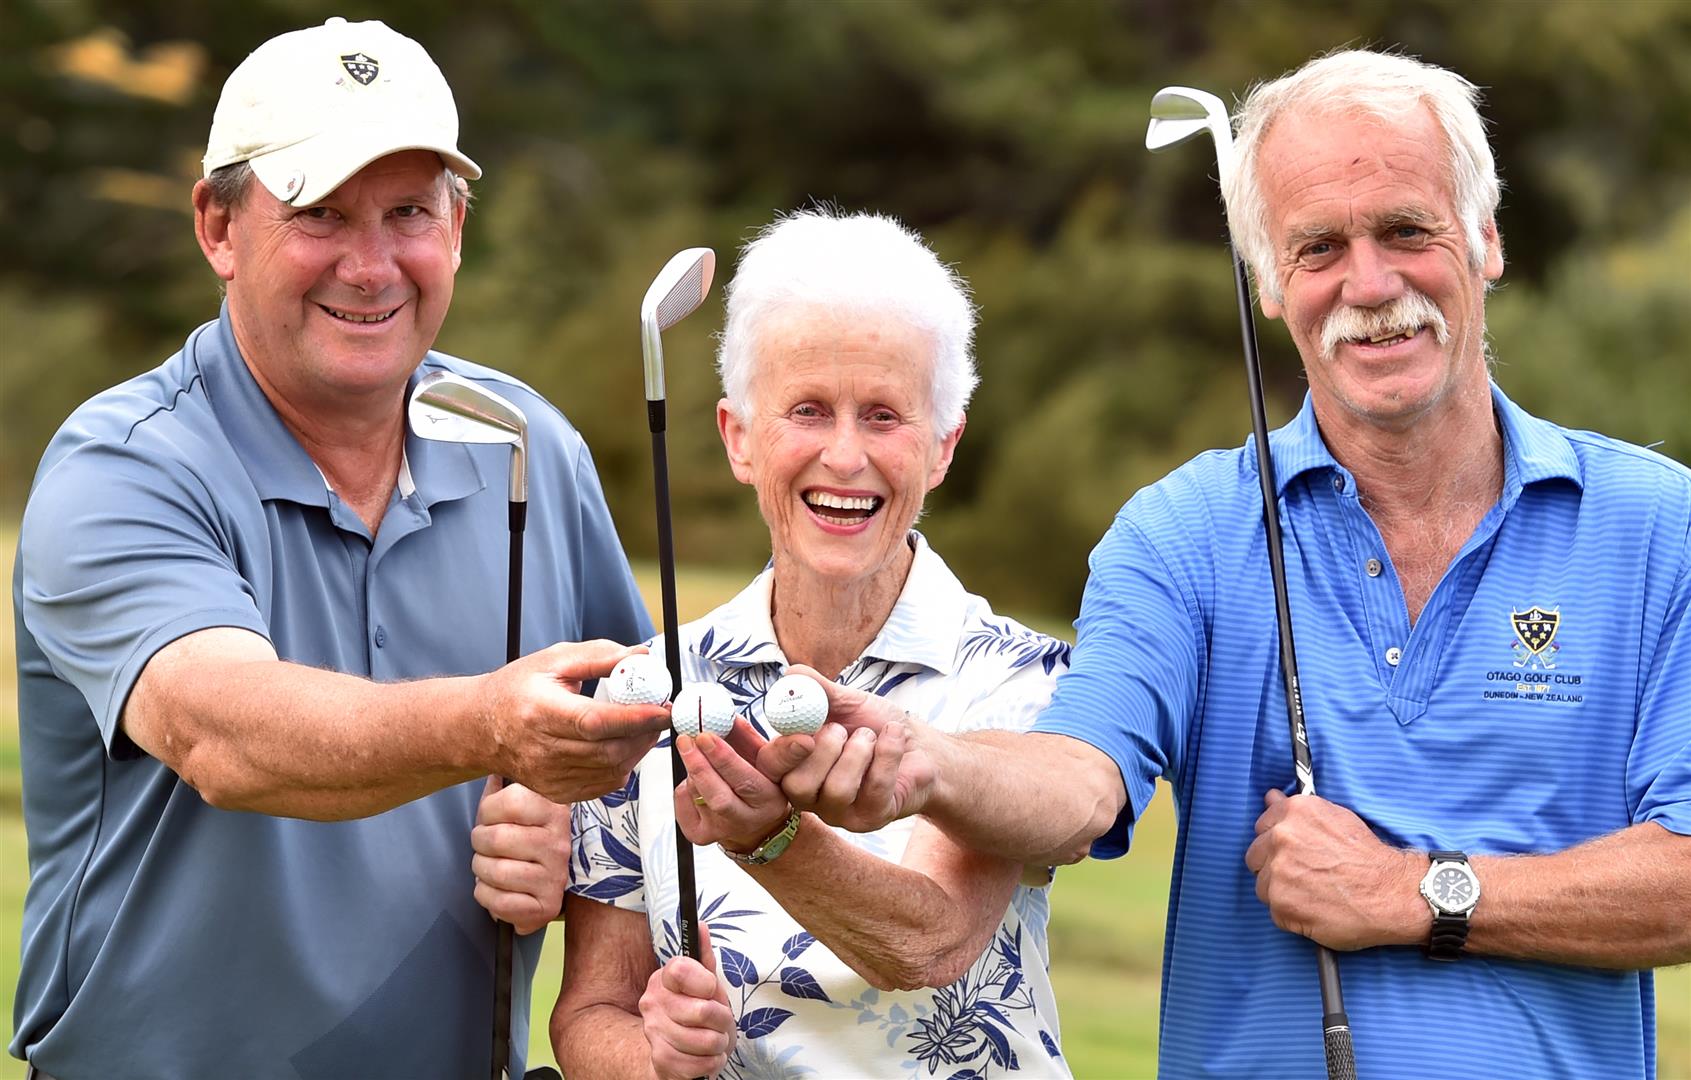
[796, 705]
[639, 679]
[703, 707]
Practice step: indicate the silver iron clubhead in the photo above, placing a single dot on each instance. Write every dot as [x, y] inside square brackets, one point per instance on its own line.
[1179, 113]
[678, 290]
[446, 407]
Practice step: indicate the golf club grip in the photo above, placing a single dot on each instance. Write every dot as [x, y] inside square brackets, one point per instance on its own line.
[1341, 1064]
[514, 587]
[1341, 1060]
[687, 912]
[505, 946]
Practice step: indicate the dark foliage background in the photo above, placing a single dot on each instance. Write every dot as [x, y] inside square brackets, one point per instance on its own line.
[1011, 134]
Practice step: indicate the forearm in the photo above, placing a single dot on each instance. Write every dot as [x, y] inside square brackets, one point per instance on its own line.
[260, 734]
[1619, 901]
[596, 1024]
[897, 926]
[1033, 798]
[601, 1039]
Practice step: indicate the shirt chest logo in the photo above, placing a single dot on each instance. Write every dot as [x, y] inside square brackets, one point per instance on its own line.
[1533, 675]
[1535, 637]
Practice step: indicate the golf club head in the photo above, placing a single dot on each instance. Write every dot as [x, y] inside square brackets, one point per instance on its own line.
[446, 407]
[678, 290]
[1179, 112]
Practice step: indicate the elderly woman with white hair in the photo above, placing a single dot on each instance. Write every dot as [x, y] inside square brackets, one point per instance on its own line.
[846, 368]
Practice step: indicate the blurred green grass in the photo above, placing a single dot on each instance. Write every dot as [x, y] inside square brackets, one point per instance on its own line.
[1106, 925]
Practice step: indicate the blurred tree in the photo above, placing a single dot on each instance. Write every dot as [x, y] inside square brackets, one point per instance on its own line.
[1010, 133]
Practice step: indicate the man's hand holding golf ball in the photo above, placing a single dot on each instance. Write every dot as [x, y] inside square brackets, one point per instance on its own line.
[557, 747]
[545, 735]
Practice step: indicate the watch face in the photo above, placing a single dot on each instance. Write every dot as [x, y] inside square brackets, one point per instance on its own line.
[1453, 888]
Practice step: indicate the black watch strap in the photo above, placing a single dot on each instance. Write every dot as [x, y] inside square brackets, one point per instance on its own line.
[1450, 932]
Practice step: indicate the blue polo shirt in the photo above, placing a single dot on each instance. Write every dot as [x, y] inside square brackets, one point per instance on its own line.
[1542, 698]
[163, 938]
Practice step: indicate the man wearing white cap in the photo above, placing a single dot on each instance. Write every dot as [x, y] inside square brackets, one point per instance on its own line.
[260, 675]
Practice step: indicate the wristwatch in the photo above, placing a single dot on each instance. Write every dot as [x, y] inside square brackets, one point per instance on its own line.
[1452, 890]
[771, 849]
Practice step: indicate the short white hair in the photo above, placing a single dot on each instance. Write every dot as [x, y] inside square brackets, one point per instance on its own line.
[1388, 87]
[861, 264]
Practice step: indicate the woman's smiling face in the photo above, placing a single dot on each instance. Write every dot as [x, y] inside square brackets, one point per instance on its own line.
[839, 438]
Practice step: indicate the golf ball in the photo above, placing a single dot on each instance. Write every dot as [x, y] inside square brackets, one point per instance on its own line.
[639, 679]
[796, 705]
[703, 707]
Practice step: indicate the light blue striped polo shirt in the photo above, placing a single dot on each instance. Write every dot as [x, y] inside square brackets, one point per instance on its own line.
[1542, 698]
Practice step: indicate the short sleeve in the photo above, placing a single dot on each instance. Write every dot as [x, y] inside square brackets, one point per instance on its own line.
[1658, 775]
[605, 849]
[120, 553]
[1133, 681]
[613, 608]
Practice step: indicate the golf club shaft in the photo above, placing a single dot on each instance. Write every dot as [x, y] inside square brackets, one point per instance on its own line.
[1341, 1061]
[505, 944]
[687, 916]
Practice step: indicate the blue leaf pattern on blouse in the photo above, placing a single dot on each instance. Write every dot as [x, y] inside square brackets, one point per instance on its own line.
[737, 967]
[798, 943]
[989, 1024]
[799, 983]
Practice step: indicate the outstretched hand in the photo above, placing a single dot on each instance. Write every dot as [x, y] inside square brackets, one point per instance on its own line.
[725, 799]
[864, 769]
[550, 738]
[686, 1016]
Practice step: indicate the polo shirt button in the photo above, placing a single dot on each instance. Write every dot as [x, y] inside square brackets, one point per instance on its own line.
[1374, 568]
[1393, 655]
[1338, 482]
[381, 637]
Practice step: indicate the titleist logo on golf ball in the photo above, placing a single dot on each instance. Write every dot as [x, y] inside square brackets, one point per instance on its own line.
[796, 705]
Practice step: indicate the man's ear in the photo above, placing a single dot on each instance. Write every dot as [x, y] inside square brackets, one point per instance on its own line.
[211, 228]
[460, 210]
[733, 432]
[1271, 308]
[1492, 268]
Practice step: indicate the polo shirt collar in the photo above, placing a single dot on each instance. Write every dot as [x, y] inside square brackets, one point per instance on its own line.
[1533, 449]
[278, 465]
[922, 628]
[280, 468]
[927, 620]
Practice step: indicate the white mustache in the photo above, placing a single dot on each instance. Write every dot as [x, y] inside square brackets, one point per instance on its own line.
[1409, 312]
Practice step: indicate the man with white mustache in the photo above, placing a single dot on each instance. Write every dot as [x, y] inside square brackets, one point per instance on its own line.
[1492, 633]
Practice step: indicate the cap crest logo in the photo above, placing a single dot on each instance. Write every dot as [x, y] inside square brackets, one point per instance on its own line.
[362, 67]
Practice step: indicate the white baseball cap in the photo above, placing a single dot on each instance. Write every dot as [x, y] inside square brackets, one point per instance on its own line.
[309, 108]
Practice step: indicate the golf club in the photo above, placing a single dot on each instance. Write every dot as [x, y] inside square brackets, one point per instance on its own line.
[674, 294]
[1177, 114]
[447, 407]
